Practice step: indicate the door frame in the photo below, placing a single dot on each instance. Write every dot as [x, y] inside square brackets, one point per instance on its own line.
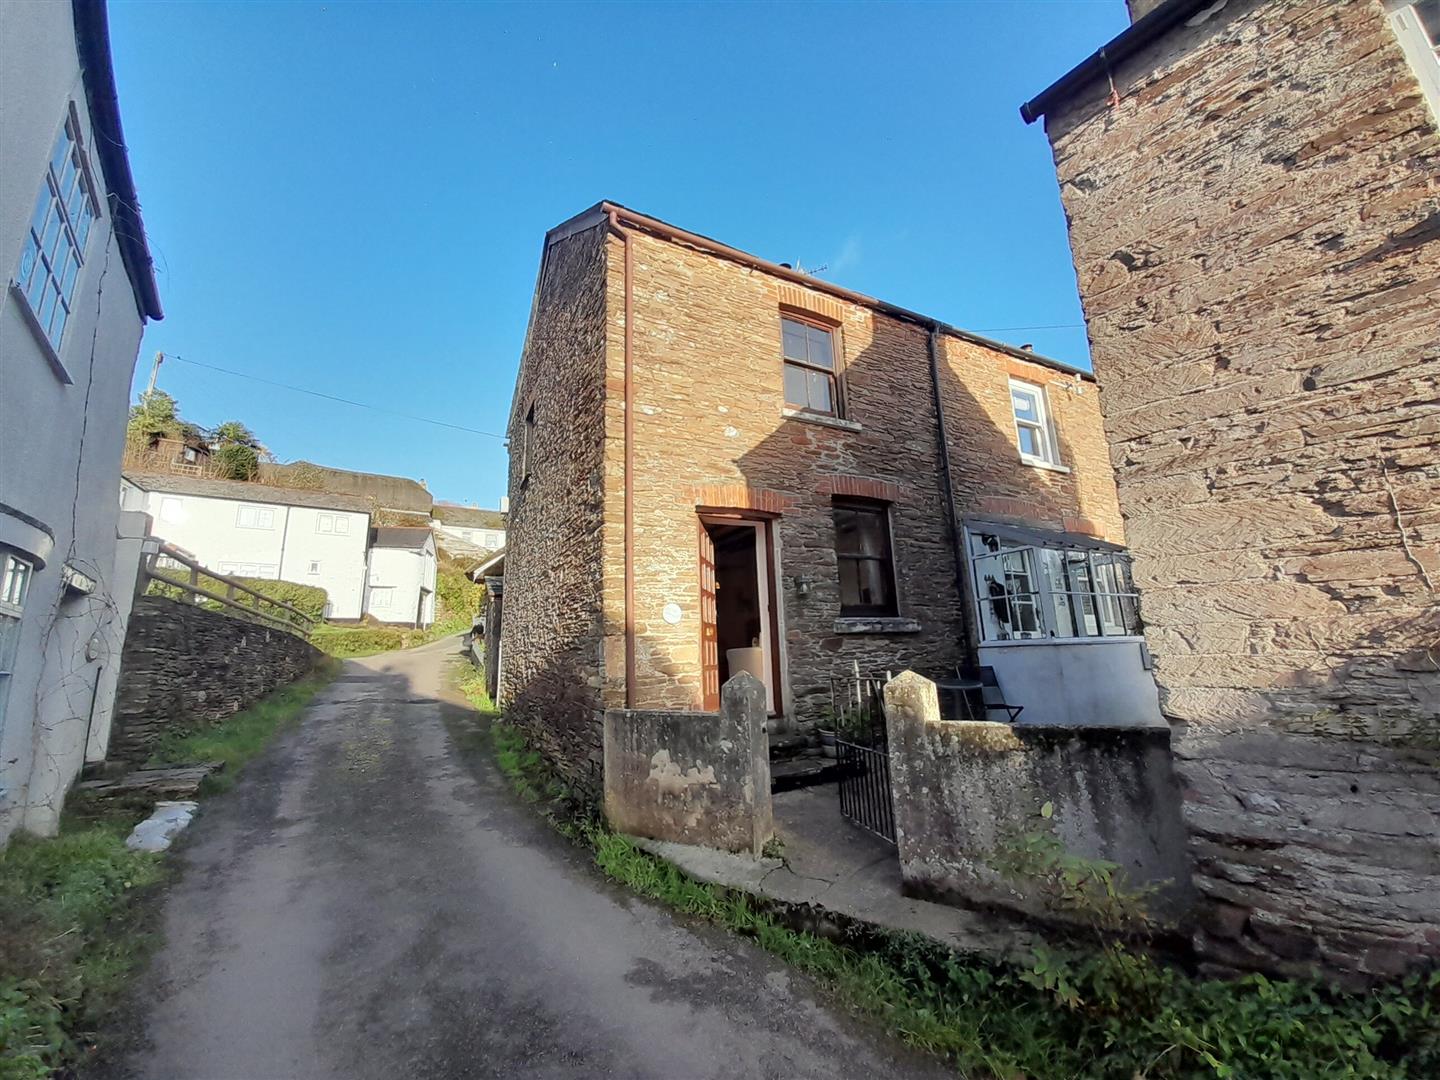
[767, 570]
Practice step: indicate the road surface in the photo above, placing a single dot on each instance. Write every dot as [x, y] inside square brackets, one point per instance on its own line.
[365, 903]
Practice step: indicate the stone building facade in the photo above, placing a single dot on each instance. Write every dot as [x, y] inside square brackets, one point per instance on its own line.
[718, 461]
[1253, 194]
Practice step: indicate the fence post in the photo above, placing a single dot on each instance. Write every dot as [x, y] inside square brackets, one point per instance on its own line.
[742, 713]
[911, 702]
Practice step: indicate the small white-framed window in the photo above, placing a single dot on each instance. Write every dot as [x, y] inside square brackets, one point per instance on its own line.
[380, 598]
[1034, 430]
[255, 517]
[15, 576]
[314, 567]
[14, 583]
[54, 248]
[336, 524]
[172, 509]
[1416, 24]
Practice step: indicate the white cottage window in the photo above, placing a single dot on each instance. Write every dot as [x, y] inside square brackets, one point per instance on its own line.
[255, 517]
[1028, 588]
[1417, 27]
[1034, 430]
[55, 244]
[15, 575]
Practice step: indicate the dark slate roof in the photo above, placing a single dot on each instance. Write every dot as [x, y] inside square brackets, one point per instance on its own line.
[399, 536]
[468, 517]
[243, 491]
[92, 44]
[385, 492]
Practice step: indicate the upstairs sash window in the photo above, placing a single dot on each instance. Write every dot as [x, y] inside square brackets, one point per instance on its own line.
[809, 357]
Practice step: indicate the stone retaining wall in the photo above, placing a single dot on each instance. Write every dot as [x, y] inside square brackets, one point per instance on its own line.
[693, 778]
[184, 667]
[969, 796]
[1256, 233]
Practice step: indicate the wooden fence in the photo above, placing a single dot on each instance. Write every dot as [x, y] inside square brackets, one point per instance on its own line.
[174, 569]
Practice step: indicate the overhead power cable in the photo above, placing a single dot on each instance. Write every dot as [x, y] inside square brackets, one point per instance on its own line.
[333, 397]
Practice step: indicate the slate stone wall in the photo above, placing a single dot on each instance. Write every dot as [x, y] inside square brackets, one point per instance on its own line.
[968, 795]
[184, 667]
[550, 666]
[693, 778]
[1256, 233]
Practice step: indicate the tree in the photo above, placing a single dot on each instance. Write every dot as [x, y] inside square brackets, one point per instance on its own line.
[234, 433]
[157, 416]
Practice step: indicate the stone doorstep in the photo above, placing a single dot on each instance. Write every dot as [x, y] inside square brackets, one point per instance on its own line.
[180, 781]
[803, 770]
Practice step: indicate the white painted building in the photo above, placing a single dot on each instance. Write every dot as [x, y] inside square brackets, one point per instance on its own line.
[402, 575]
[470, 525]
[73, 250]
[257, 530]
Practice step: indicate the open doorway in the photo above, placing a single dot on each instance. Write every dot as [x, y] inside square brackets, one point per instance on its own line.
[737, 598]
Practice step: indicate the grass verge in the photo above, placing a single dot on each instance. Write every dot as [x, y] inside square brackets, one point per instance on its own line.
[238, 738]
[72, 917]
[1109, 1013]
[348, 642]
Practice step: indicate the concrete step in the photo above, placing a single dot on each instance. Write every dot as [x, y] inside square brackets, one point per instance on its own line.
[788, 745]
[805, 770]
[177, 782]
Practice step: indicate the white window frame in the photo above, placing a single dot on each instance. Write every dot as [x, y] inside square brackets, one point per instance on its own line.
[314, 567]
[1114, 606]
[264, 516]
[53, 253]
[388, 592]
[16, 574]
[172, 509]
[1043, 427]
[1422, 52]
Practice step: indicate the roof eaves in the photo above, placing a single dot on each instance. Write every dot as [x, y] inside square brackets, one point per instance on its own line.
[716, 247]
[1139, 34]
[92, 44]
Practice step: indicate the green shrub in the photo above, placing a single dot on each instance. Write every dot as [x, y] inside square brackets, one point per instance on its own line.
[348, 641]
[308, 599]
[235, 462]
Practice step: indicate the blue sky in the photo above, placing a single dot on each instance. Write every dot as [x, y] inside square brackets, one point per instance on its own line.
[351, 197]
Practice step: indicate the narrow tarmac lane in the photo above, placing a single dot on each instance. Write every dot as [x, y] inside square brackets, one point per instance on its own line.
[364, 905]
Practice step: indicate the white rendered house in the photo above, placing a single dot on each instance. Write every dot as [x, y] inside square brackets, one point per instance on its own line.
[401, 586]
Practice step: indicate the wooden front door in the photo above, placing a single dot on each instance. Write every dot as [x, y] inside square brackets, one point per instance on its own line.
[709, 634]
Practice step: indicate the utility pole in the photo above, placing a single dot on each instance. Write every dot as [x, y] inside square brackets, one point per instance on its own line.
[154, 373]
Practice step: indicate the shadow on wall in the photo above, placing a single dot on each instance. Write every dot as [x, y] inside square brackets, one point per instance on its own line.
[888, 392]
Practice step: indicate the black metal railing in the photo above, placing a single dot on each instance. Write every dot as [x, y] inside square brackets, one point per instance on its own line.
[865, 798]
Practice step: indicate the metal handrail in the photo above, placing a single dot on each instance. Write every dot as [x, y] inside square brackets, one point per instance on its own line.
[289, 618]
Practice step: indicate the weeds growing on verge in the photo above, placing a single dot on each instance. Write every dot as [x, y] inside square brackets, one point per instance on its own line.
[1112, 1012]
[71, 931]
[238, 738]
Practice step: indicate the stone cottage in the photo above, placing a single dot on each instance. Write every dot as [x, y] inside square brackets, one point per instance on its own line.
[720, 464]
[1253, 193]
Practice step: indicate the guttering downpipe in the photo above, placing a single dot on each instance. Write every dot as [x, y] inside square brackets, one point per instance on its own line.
[629, 467]
[957, 542]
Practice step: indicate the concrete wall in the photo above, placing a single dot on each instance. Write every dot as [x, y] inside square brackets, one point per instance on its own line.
[1083, 683]
[693, 778]
[48, 436]
[1255, 236]
[292, 549]
[966, 793]
[551, 670]
[185, 667]
[409, 576]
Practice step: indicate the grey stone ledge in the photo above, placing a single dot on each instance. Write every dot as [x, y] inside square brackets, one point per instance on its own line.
[823, 421]
[877, 626]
